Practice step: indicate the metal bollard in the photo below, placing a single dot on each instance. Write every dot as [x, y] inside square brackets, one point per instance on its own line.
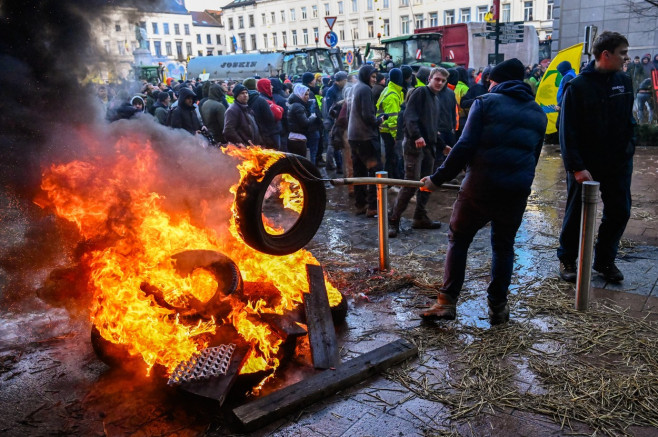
[382, 214]
[587, 224]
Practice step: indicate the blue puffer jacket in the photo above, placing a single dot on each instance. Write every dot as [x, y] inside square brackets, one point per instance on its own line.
[500, 144]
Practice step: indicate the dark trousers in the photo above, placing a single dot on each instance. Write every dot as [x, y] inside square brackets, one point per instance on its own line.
[616, 196]
[393, 164]
[469, 216]
[366, 162]
[417, 163]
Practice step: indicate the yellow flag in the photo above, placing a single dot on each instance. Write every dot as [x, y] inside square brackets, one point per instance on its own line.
[547, 91]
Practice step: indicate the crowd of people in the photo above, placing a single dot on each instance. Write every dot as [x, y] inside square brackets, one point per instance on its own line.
[640, 71]
[483, 125]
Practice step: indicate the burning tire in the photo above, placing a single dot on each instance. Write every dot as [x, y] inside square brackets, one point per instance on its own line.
[249, 203]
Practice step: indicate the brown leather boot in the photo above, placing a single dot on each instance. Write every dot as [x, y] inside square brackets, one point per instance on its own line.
[445, 308]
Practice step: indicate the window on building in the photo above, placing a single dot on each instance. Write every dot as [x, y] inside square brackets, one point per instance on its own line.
[465, 15]
[283, 16]
[341, 34]
[165, 28]
[294, 38]
[188, 48]
[240, 22]
[386, 4]
[106, 44]
[186, 28]
[340, 8]
[305, 36]
[355, 5]
[404, 2]
[419, 21]
[314, 11]
[218, 38]
[386, 27]
[434, 19]
[176, 29]
[404, 24]
[155, 28]
[168, 49]
[549, 9]
[209, 52]
[304, 15]
[243, 41]
[506, 15]
[327, 10]
[265, 42]
[316, 33]
[198, 38]
[254, 46]
[293, 16]
[263, 19]
[527, 11]
[275, 41]
[251, 21]
[355, 30]
[179, 49]
[117, 27]
[284, 38]
[418, 2]
[273, 17]
[199, 52]
[121, 47]
[208, 39]
[230, 23]
[449, 17]
[157, 45]
[371, 29]
[482, 11]
[369, 5]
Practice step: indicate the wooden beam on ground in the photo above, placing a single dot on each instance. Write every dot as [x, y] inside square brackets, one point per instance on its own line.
[321, 331]
[280, 403]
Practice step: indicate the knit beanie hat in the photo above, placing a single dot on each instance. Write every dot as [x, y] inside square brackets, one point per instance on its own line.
[395, 75]
[563, 67]
[512, 69]
[238, 89]
[423, 74]
[299, 90]
[249, 83]
[307, 78]
[264, 86]
[341, 75]
[453, 76]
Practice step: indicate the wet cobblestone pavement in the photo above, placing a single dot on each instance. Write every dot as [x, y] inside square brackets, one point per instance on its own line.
[51, 382]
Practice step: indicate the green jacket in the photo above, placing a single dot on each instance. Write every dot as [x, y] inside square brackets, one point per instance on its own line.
[460, 90]
[389, 103]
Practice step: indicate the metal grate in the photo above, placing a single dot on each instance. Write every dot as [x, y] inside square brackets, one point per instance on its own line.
[212, 361]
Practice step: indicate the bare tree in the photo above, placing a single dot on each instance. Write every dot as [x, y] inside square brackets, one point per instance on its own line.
[643, 8]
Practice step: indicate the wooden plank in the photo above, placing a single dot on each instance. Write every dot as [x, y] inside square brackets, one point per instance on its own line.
[280, 403]
[321, 331]
[283, 325]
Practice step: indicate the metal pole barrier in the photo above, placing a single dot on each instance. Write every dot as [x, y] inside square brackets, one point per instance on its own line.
[587, 225]
[382, 215]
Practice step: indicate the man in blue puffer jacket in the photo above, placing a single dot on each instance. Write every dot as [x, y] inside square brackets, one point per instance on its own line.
[499, 147]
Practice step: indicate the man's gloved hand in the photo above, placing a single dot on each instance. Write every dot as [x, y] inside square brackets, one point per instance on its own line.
[313, 117]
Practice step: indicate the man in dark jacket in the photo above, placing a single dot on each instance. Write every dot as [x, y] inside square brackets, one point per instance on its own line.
[184, 115]
[421, 145]
[333, 95]
[270, 128]
[499, 147]
[213, 112]
[476, 91]
[363, 136]
[315, 132]
[596, 138]
[281, 98]
[239, 127]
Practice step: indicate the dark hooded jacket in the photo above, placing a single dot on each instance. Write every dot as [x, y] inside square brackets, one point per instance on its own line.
[363, 123]
[596, 122]
[267, 125]
[476, 90]
[299, 113]
[421, 116]
[184, 116]
[500, 144]
[281, 99]
[213, 112]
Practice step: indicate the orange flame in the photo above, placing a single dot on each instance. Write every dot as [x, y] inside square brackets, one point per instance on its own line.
[112, 202]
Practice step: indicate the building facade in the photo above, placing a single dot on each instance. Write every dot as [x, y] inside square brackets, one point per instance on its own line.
[271, 25]
[637, 19]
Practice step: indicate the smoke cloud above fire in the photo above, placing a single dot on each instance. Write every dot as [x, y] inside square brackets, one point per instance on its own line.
[47, 48]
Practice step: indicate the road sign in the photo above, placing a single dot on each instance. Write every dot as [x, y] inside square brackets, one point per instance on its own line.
[349, 57]
[330, 39]
[330, 22]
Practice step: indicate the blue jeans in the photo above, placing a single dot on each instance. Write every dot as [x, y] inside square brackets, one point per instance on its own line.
[616, 196]
[469, 215]
[312, 142]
